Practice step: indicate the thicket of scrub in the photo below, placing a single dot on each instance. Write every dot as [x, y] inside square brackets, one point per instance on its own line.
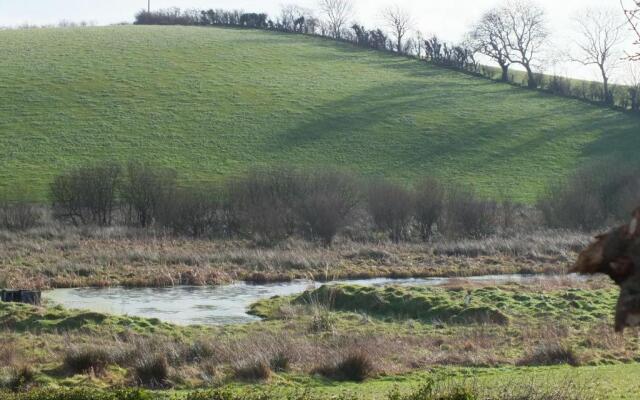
[271, 205]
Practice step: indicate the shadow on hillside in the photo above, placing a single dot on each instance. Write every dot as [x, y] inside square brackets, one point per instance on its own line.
[620, 138]
[467, 128]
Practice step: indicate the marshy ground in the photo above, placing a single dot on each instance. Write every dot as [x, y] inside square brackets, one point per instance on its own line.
[343, 339]
[552, 336]
[63, 257]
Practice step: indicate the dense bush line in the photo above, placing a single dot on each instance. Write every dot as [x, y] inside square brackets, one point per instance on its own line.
[595, 196]
[461, 56]
[272, 205]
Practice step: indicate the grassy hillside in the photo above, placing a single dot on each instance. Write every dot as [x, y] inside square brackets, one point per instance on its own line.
[213, 102]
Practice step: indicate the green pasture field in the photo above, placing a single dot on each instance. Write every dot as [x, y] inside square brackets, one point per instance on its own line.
[213, 102]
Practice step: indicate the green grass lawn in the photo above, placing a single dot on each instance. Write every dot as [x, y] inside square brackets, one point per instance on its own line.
[215, 102]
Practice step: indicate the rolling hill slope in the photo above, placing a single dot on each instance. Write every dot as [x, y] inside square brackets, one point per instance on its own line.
[213, 102]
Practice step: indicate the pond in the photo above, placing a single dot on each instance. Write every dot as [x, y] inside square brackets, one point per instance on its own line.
[218, 305]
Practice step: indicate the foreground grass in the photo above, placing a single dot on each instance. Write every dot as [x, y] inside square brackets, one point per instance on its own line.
[214, 102]
[408, 334]
[612, 382]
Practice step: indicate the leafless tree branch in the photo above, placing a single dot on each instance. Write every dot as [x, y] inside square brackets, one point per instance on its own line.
[526, 34]
[338, 13]
[633, 17]
[489, 37]
[400, 21]
[600, 34]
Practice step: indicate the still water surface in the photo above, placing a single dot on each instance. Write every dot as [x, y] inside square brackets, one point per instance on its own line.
[217, 305]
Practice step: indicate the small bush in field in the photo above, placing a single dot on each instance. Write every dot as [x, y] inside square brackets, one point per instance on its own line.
[430, 203]
[467, 215]
[280, 363]
[262, 205]
[152, 371]
[20, 378]
[322, 321]
[329, 200]
[391, 207]
[354, 367]
[87, 195]
[191, 211]
[257, 370]
[593, 197]
[17, 216]
[550, 354]
[146, 191]
[87, 359]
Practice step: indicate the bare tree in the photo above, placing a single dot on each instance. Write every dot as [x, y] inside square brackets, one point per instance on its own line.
[633, 17]
[418, 44]
[526, 34]
[337, 13]
[632, 82]
[489, 37]
[294, 18]
[400, 22]
[600, 33]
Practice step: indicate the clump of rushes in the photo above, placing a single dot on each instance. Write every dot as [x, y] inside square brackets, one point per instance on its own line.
[87, 359]
[553, 353]
[152, 371]
[20, 378]
[355, 367]
[251, 371]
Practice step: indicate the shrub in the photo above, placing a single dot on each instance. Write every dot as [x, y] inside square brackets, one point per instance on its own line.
[280, 362]
[550, 353]
[152, 370]
[20, 378]
[87, 194]
[8, 351]
[262, 205]
[595, 196]
[191, 211]
[328, 201]
[322, 320]
[145, 190]
[87, 359]
[169, 16]
[467, 215]
[255, 370]
[430, 204]
[19, 215]
[391, 207]
[355, 367]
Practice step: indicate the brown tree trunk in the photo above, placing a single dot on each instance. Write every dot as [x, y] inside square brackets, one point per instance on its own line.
[608, 99]
[531, 78]
[635, 100]
[505, 72]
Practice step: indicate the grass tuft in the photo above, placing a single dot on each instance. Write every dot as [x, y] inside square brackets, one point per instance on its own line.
[91, 359]
[152, 370]
[354, 367]
[550, 353]
[253, 370]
